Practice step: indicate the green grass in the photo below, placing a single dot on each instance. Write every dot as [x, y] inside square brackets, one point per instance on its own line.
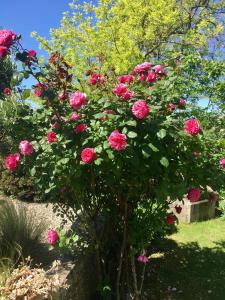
[192, 261]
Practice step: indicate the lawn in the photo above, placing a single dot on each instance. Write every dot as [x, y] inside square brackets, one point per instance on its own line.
[189, 264]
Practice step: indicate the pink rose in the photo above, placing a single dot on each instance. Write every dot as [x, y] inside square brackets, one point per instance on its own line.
[178, 209]
[126, 79]
[143, 259]
[194, 194]
[158, 69]
[141, 77]
[80, 128]
[78, 99]
[63, 95]
[140, 109]
[6, 91]
[88, 155]
[51, 137]
[96, 78]
[52, 237]
[142, 68]
[55, 125]
[7, 37]
[3, 51]
[12, 161]
[170, 219]
[222, 163]
[117, 140]
[151, 77]
[26, 147]
[74, 117]
[128, 95]
[192, 127]
[32, 53]
[39, 89]
[171, 106]
[120, 89]
[182, 102]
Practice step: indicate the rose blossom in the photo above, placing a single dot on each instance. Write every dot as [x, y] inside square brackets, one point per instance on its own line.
[3, 51]
[6, 91]
[12, 161]
[143, 259]
[170, 219]
[26, 147]
[192, 127]
[126, 79]
[80, 128]
[142, 68]
[96, 78]
[88, 155]
[7, 37]
[194, 194]
[158, 69]
[151, 77]
[32, 53]
[120, 89]
[74, 117]
[38, 89]
[140, 109]
[52, 237]
[171, 106]
[222, 163]
[51, 137]
[117, 140]
[178, 209]
[182, 102]
[55, 125]
[63, 95]
[141, 77]
[128, 95]
[77, 99]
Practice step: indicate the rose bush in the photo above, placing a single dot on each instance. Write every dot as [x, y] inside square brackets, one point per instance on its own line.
[118, 151]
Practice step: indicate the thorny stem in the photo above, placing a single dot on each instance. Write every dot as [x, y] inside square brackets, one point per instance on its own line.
[136, 292]
[122, 253]
[142, 279]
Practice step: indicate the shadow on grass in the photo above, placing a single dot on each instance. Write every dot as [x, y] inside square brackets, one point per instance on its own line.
[186, 272]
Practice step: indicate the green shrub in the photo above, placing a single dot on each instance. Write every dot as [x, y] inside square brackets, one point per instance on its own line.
[222, 203]
[20, 232]
[17, 185]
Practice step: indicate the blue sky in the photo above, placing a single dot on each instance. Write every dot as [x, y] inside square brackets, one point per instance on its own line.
[25, 16]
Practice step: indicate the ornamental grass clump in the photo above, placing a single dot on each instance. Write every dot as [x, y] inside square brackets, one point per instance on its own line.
[123, 158]
[20, 232]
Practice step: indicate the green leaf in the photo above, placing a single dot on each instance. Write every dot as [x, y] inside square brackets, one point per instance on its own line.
[98, 161]
[131, 123]
[33, 171]
[26, 94]
[161, 133]
[153, 147]
[99, 116]
[98, 149]
[110, 154]
[164, 161]
[132, 134]
[145, 154]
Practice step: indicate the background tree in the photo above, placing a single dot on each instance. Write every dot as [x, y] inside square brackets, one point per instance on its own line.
[119, 34]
